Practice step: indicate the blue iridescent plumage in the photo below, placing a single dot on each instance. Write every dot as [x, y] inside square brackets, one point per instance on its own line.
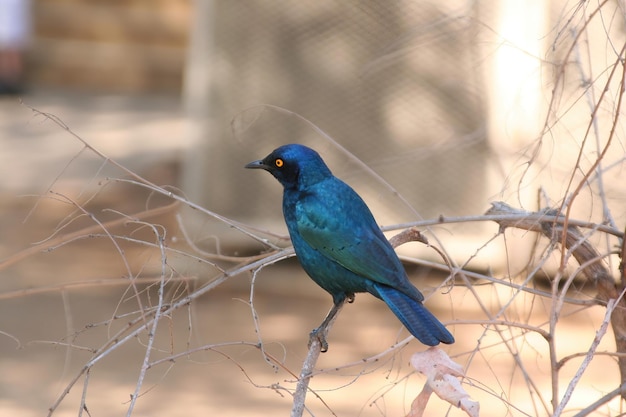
[340, 245]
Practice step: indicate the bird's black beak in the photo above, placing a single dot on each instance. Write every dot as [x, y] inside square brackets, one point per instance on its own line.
[257, 165]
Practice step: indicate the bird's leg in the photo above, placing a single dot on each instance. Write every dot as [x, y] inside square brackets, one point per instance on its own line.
[320, 332]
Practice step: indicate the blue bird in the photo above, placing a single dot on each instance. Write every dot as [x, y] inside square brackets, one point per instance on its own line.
[340, 245]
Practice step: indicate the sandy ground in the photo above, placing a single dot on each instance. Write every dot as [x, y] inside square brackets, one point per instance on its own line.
[60, 305]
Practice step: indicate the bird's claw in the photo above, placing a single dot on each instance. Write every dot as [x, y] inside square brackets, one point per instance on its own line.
[319, 334]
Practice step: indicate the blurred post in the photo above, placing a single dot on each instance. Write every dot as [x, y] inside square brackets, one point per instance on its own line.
[197, 86]
[513, 79]
[515, 105]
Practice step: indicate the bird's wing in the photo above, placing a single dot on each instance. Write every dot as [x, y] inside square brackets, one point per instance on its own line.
[338, 224]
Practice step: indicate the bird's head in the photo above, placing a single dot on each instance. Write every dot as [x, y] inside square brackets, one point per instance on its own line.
[293, 166]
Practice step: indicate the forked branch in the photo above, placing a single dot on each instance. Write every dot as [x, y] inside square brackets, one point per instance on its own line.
[593, 268]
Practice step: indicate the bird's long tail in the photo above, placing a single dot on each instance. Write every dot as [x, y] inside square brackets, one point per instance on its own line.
[415, 317]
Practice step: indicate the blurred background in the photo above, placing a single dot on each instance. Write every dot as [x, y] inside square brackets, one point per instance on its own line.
[443, 101]
[434, 97]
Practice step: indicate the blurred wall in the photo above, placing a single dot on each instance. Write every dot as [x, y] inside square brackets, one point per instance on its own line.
[109, 45]
[392, 82]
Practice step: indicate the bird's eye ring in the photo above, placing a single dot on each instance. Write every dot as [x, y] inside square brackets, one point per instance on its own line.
[279, 163]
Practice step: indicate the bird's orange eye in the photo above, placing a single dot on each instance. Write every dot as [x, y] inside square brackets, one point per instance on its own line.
[279, 163]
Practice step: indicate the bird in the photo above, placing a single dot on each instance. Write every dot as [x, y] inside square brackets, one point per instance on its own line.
[339, 244]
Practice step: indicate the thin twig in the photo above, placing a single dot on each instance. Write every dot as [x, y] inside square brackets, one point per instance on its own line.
[302, 387]
[160, 238]
[588, 357]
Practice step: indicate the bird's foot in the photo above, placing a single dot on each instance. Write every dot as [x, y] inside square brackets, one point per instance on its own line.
[319, 334]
